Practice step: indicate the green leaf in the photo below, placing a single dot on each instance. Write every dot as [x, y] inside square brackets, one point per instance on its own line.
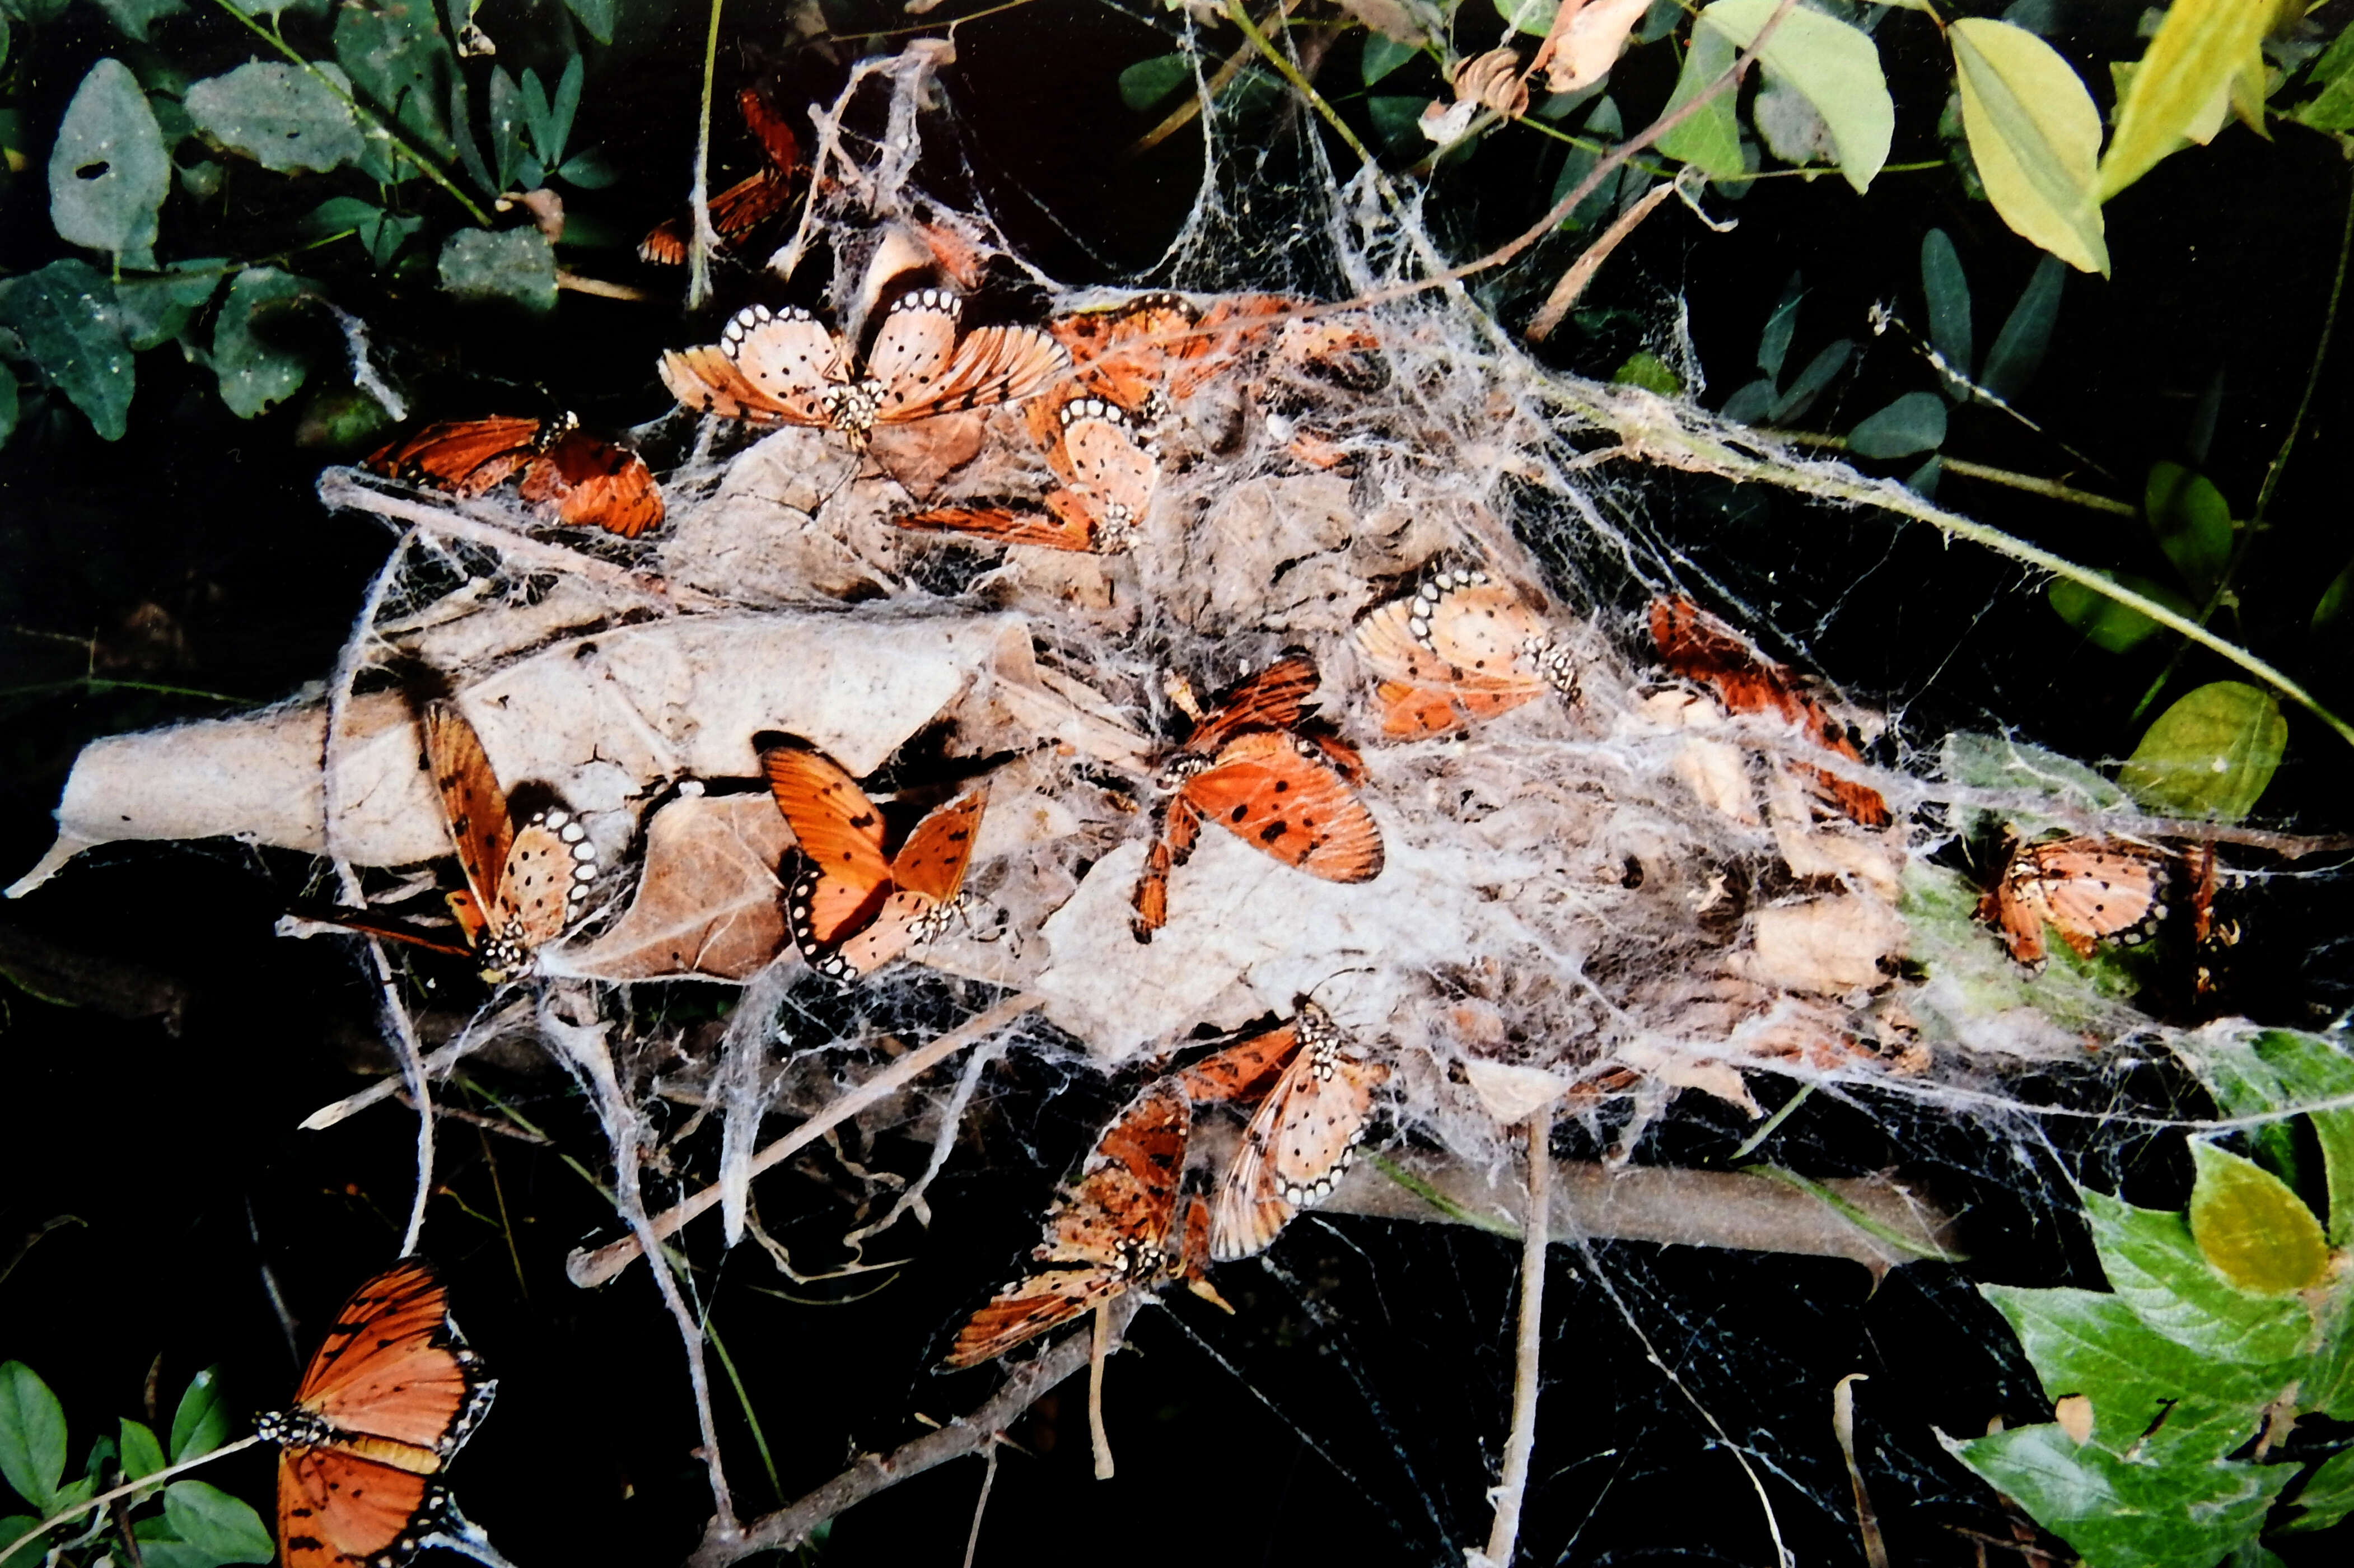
[1647, 370]
[257, 371]
[1773, 342]
[32, 1435]
[507, 121]
[2154, 1264]
[142, 1456]
[1835, 66]
[598, 17]
[200, 1424]
[2327, 1496]
[2333, 600]
[2200, 47]
[2252, 1229]
[2118, 1513]
[1914, 423]
[2018, 351]
[2283, 1070]
[1533, 17]
[7, 403]
[131, 18]
[1383, 55]
[2088, 1342]
[1820, 373]
[281, 117]
[587, 170]
[108, 170]
[2210, 755]
[514, 264]
[393, 51]
[2192, 522]
[1711, 140]
[1149, 83]
[1947, 290]
[1750, 404]
[14, 1527]
[1922, 481]
[154, 309]
[211, 1520]
[380, 233]
[65, 314]
[2107, 624]
[461, 132]
[2034, 135]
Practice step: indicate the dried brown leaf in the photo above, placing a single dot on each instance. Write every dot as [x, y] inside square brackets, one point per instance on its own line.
[708, 906]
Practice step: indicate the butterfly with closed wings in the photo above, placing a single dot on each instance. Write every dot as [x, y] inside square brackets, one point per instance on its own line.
[388, 1398]
[1117, 1226]
[750, 202]
[1301, 1138]
[851, 907]
[1458, 650]
[787, 367]
[1108, 478]
[591, 482]
[1254, 766]
[2089, 889]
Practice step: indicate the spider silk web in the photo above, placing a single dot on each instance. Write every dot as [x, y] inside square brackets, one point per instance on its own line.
[1561, 898]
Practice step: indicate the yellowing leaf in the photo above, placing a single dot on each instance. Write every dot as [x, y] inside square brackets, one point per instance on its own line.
[2200, 47]
[2210, 755]
[1832, 66]
[2034, 135]
[2250, 1228]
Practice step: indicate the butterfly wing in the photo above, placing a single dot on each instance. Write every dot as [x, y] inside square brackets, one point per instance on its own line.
[1052, 529]
[464, 457]
[1274, 698]
[471, 800]
[1171, 848]
[1125, 353]
[1298, 1143]
[595, 483]
[932, 863]
[368, 923]
[990, 365]
[774, 131]
[1241, 1068]
[1101, 458]
[2091, 889]
[339, 1509]
[1028, 1307]
[546, 880]
[839, 831]
[767, 367]
[912, 354]
[395, 1368]
[1286, 796]
[1236, 325]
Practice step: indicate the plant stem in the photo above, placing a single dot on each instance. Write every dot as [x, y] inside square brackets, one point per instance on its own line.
[391, 133]
[703, 241]
[1290, 73]
[1512, 1485]
[128, 1488]
[2052, 488]
[744, 1400]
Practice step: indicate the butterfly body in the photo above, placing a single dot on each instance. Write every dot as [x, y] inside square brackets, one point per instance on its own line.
[786, 367]
[1458, 650]
[385, 1404]
[2090, 889]
[1287, 791]
[852, 908]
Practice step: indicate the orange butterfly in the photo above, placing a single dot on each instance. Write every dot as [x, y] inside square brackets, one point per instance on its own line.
[1113, 1229]
[853, 908]
[1459, 648]
[1701, 648]
[522, 886]
[592, 483]
[388, 1398]
[787, 367]
[749, 202]
[1302, 1136]
[1109, 480]
[1251, 769]
[2087, 888]
[1156, 346]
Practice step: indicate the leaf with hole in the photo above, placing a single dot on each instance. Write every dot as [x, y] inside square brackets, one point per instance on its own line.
[108, 171]
[281, 117]
[131, 18]
[1834, 66]
[65, 315]
[2210, 755]
[2034, 137]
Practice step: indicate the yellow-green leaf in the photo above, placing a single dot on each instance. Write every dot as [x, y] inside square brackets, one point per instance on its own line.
[2250, 1228]
[2210, 755]
[1832, 66]
[2034, 137]
[2200, 47]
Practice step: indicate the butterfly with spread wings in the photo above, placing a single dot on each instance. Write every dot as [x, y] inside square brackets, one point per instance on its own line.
[851, 907]
[2090, 889]
[787, 367]
[1257, 768]
[1108, 478]
[747, 204]
[1697, 646]
[388, 1398]
[1303, 1134]
[1117, 1226]
[591, 482]
[1458, 650]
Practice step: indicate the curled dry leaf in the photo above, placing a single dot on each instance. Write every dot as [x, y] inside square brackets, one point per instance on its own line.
[1511, 1094]
[1585, 41]
[1493, 80]
[708, 905]
[1828, 945]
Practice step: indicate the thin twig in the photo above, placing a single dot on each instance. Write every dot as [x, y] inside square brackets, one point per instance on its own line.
[1099, 1351]
[981, 1504]
[585, 1268]
[341, 487]
[1867, 1519]
[1581, 271]
[943, 1145]
[1184, 114]
[872, 1473]
[600, 288]
[2050, 488]
[128, 1488]
[706, 239]
[1512, 1485]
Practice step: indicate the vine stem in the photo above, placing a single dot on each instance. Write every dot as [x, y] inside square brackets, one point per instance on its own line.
[128, 1488]
[1512, 1487]
[706, 239]
[408, 147]
[2280, 460]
